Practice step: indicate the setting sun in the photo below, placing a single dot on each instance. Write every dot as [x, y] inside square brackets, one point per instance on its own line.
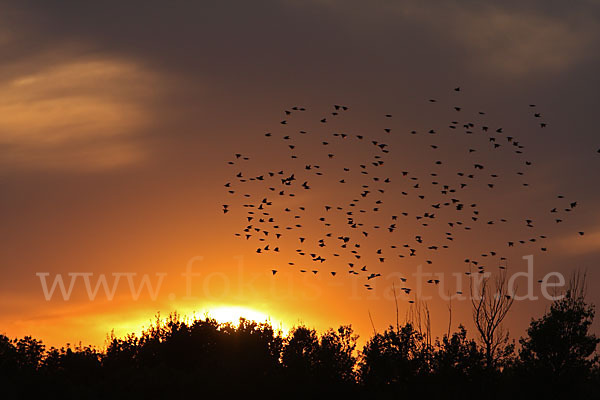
[233, 314]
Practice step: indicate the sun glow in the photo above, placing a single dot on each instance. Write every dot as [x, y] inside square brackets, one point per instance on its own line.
[221, 313]
[233, 314]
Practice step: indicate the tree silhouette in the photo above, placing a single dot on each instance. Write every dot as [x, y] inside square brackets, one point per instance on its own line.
[559, 347]
[491, 304]
[8, 357]
[458, 356]
[325, 360]
[300, 356]
[336, 355]
[394, 358]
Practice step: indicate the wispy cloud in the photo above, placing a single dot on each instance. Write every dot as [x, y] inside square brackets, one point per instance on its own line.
[520, 42]
[577, 245]
[78, 114]
[509, 38]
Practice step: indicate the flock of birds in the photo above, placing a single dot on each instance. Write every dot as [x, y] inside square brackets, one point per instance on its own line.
[333, 207]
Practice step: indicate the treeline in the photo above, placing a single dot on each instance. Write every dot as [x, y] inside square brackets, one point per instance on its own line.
[206, 358]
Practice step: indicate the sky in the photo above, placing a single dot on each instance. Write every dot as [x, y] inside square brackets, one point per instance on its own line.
[117, 122]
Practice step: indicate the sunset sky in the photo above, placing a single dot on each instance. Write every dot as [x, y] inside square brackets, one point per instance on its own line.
[117, 120]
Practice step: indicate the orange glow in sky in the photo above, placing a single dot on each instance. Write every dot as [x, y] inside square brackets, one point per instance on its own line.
[115, 138]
